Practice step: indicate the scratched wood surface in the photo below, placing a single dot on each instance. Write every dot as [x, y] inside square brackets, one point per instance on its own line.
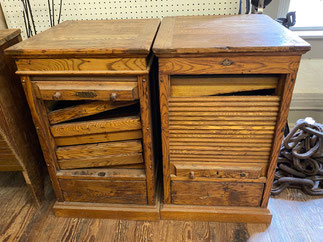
[296, 217]
[101, 37]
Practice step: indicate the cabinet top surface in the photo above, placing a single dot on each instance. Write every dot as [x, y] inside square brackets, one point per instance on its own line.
[226, 34]
[8, 34]
[129, 38]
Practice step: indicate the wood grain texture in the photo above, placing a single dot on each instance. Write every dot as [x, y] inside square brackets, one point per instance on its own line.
[97, 191]
[191, 86]
[218, 170]
[74, 90]
[295, 216]
[129, 38]
[19, 146]
[83, 110]
[39, 115]
[222, 158]
[222, 34]
[216, 193]
[96, 126]
[101, 149]
[279, 132]
[7, 35]
[240, 65]
[215, 213]
[98, 138]
[101, 161]
[108, 211]
[164, 93]
[147, 136]
[122, 174]
[80, 65]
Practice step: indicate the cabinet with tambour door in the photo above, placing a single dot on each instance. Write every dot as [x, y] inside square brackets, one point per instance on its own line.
[225, 87]
[88, 87]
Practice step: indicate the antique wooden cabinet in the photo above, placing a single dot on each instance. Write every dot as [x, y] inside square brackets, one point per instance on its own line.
[19, 146]
[87, 85]
[225, 87]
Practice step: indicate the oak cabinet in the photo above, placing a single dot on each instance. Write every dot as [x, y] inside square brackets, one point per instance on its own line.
[225, 87]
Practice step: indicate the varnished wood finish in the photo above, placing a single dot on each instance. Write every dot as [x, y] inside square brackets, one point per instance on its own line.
[216, 194]
[95, 138]
[207, 35]
[182, 86]
[87, 84]
[97, 126]
[110, 211]
[19, 146]
[287, 93]
[125, 91]
[98, 191]
[113, 38]
[215, 214]
[101, 161]
[83, 110]
[146, 122]
[100, 149]
[295, 216]
[225, 88]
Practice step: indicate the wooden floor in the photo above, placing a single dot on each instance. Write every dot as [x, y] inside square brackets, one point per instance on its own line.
[296, 217]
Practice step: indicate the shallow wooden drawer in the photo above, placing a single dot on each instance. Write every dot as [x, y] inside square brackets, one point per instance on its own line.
[216, 193]
[206, 170]
[96, 126]
[93, 90]
[101, 161]
[104, 191]
[208, 85]
[100, 154]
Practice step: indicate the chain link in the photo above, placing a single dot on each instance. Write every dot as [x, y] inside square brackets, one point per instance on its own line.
[300, 162]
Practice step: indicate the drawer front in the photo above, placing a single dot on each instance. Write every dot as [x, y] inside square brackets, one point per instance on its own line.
[104, 191]
[94, 90]
[210, 170]
[216, 193]
[100, 155]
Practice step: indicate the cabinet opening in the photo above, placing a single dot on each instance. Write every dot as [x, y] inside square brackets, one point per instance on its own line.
[224, 85]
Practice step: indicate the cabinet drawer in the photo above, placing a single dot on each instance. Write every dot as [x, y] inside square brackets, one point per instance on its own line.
[94, 90]
[216, 193]
[104, 191]
[101, 154]
[206, 170]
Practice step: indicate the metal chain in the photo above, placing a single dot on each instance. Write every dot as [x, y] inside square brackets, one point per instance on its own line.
[300, 162]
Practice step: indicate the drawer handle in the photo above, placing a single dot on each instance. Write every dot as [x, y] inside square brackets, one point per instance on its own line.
[57, 95]
[227, 62]
[192, 175]
[113, 97]
[242, 174]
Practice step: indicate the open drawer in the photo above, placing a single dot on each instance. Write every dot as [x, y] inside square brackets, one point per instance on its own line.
[92, 90]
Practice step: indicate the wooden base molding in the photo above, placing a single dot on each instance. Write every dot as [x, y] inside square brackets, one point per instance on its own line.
[215, 214]
[107, 211]
[163, 212]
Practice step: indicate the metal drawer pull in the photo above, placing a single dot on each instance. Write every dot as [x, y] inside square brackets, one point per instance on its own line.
[57, 95]
[192, 175]
[113, 97]
[86, 94]
[227, 62]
